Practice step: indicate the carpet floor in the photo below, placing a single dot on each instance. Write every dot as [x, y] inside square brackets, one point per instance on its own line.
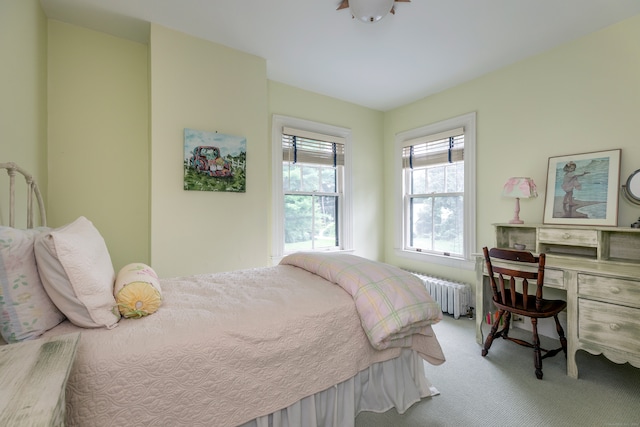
[501, 389]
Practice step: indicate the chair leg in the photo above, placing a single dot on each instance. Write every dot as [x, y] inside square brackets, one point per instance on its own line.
[537, 355]
[492, 334]
[507, 325]
[563, 340]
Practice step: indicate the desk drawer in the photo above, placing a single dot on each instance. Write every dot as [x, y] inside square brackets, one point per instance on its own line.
[568, 236]
[609, 325]
[554, 278]
[621, 291]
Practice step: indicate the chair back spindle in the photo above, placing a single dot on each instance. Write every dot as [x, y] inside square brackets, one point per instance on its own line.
[509, 277]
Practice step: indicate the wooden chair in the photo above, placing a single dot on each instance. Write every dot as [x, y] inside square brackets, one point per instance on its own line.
[518, 268]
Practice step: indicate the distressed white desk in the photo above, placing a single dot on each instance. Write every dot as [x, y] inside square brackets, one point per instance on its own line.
[33, 376]
[599, 268]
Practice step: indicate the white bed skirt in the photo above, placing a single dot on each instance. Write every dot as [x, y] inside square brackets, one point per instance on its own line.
[398, 383]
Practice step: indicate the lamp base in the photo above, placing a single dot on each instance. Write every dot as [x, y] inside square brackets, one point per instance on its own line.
[516, 214]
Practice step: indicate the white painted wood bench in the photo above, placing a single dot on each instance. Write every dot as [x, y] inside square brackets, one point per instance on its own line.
[33, 377]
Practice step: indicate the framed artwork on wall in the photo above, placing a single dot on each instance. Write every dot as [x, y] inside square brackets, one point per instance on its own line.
[214, 161]
[582, 189]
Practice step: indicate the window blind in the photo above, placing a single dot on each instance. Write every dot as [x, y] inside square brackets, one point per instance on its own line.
[300, 146]
[443, 147]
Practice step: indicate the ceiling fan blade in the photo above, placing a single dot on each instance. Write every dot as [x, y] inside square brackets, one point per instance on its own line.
[343, 5]
[393, 9]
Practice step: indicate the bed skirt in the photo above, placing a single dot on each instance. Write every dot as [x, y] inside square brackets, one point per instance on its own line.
[396, 383]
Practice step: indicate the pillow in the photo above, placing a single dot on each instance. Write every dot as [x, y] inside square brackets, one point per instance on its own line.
[137, 290]
[26, 311]
[76, 271]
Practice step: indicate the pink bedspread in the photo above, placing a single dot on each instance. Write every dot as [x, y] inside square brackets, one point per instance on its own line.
[393, 304]
[222, 349]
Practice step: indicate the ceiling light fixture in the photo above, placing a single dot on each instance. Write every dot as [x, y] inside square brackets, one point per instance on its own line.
[370, 10]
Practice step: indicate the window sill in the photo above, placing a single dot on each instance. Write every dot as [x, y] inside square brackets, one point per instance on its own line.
[437, 259]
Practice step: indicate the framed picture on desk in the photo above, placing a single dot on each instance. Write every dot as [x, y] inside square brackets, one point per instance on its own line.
[582, 189]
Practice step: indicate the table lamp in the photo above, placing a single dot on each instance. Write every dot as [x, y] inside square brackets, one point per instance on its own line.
[519, 187]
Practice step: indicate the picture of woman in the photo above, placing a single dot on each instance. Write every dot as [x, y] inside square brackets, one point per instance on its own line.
[570, 183]
[583, 189]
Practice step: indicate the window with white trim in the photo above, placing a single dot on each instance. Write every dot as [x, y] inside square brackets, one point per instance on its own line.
[311, 180]
[436, 192]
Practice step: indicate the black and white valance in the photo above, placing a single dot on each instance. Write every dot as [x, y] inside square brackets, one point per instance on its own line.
[435, 149]
[300, 146]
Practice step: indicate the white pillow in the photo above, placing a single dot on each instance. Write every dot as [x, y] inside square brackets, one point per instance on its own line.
[76, 271]
[26, 311]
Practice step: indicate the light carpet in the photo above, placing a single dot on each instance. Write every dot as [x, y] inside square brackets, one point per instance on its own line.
[502, 390]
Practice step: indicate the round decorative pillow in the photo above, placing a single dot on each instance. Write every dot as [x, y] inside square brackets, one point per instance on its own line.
[137, 290]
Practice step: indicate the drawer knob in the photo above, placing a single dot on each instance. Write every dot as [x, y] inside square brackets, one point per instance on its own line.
[566, 236]
[614, 290]
[614, 326]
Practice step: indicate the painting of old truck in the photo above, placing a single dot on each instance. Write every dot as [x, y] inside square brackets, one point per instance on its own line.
[214, 161]
[206, 159]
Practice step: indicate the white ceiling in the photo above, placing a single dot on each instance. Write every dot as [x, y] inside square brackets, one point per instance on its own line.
[426, 47]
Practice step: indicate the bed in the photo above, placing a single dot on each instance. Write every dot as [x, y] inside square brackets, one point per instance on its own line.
[312, 341]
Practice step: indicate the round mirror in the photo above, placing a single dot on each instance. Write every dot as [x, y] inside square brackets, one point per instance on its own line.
[631, 189]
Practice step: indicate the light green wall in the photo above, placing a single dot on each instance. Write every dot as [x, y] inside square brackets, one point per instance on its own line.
[202, 85]
[368, 162]
[116, 107]
[23, 85]
[580, 97]
[98, 137]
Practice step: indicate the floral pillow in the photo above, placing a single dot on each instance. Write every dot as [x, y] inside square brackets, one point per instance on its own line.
[26, 311]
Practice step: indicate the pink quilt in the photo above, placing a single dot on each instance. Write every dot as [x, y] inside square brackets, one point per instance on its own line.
[221, 350]
[392, 304]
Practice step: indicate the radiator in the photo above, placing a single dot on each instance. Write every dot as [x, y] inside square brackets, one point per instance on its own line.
[454, 298]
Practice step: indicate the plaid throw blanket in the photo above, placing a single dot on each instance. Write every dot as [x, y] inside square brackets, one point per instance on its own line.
[392, 303]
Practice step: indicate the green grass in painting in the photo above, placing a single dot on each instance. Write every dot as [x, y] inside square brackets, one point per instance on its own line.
[200, 182]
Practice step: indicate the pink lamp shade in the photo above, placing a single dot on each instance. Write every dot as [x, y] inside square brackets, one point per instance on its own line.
[519, 187]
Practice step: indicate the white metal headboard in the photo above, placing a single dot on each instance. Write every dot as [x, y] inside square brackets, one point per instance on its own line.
[32, 190]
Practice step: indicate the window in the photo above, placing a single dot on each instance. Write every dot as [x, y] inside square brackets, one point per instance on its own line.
[311, 178]
[435, 185]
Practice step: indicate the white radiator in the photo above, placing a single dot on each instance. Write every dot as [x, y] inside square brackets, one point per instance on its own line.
[454, 297]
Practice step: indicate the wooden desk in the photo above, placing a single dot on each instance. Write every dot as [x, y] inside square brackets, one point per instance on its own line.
[599, 268]
[33, 376]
